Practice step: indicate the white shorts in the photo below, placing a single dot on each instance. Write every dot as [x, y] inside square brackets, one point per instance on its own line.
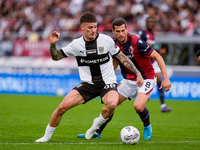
[156, 67]
[129, 89]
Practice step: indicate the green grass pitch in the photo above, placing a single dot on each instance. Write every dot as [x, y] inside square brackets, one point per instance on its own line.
[23, 119]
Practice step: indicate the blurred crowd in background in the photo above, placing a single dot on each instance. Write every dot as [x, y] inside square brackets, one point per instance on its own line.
[44, 16]
[34, 20]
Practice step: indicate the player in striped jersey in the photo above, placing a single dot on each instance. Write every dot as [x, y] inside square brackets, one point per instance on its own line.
[149, 36]
[93, 52]
[140, 53]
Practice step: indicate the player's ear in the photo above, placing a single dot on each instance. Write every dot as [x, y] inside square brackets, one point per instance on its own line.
[113, 31]
[82, 26]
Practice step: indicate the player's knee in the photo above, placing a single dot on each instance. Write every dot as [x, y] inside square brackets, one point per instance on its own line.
[112, 105]
[138, 107]
[61, 109]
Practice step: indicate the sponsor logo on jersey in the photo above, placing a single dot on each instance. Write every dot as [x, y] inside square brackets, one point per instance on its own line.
[94, 61]
[101, 49]
[91, 51]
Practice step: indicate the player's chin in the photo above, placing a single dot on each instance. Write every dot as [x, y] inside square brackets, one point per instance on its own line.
[92, 36]
[121, 39]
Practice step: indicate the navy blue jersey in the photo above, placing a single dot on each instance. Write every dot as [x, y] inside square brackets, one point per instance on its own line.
[147, 36]
[138, 51]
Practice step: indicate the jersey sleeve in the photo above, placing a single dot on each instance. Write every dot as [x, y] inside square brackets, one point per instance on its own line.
[69, 50]
[142, 35]
[143, 47]
[114, 49]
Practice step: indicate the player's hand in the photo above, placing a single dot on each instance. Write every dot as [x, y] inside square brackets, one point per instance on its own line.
[166, 84]
[140, 80]
[54, 37]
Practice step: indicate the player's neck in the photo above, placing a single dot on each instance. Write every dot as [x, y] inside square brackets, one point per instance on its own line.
[122, 42]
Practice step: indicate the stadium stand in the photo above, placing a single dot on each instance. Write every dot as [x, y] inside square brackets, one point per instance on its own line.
[34, 20]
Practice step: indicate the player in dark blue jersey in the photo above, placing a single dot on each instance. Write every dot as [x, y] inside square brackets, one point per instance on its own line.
[140, 53]
[149, 36]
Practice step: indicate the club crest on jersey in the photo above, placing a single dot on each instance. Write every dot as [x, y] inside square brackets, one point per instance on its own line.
[101, 49]
[131, 50]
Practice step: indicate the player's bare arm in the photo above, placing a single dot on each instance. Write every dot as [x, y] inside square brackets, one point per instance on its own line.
[166, 82]
[115, 64]
[129, 64]
[55, 53]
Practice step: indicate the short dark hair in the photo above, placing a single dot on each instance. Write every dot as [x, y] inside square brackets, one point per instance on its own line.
[118, 22]
[165, 46]
[88, 17]
[198, 53]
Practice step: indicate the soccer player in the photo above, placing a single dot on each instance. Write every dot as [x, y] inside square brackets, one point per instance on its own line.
[140, 53]
[93, 52]
[198, 55]
[148, 36]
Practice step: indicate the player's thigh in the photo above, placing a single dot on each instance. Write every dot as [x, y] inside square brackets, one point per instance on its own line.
[121, 99]
[72, 99]
[144, 93]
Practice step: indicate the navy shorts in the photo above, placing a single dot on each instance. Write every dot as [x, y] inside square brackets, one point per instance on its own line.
[90, 91]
